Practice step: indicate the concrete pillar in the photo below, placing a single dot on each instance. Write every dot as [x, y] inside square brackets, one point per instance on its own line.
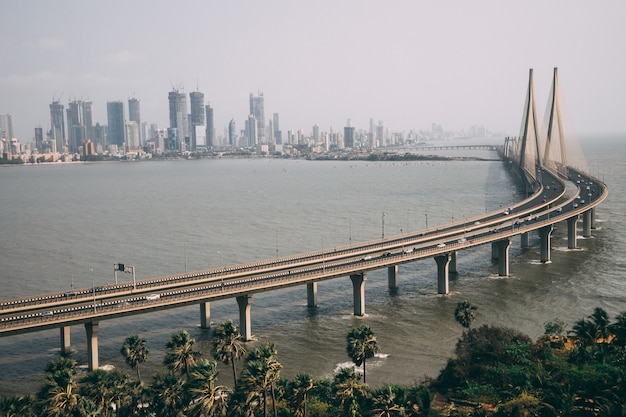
[503, 256]
[92, 345]
[65, 340]
[545, 234]
[205, 315]
[494, 251]
[392, 276]
[443, 261]
[245, 326]
[452, 267]
[571, 232]
[358, 290]
[311, 294]
[593, 218]
[587, 223]
[525, 240]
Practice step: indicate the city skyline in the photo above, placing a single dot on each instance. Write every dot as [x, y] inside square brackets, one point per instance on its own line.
[410, 65]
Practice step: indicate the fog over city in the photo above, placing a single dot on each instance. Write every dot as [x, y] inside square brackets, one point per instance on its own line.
[406, 63]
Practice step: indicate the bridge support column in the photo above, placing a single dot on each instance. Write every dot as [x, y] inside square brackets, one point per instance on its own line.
[245, 325]
[358, 287]
[494, 251]
[65, 340]
[587, 223]
[525, 240]
[311, 294]
[92, 345]
[503, 256]
[452, 267]
[571, 232]
[443, 262]
[593, 218]
[205, 315]
[545, 234]
[392, 276]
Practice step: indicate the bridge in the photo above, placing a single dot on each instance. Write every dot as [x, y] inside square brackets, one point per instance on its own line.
[530, 157]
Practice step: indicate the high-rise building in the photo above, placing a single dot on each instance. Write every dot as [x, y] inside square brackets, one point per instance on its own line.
[277, 133]
[232, 133]
[76, 131]
[132, 136]
[6, 126]
[100, 136]
[116, 126]
[196, 98]
[134, 115]
[178, 114]
[251, 130]
[257, 109]
[210, 127]
[57, 128]
[39, 138]
[348, 136]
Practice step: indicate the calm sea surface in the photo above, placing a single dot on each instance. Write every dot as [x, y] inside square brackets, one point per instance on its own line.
[64, 226]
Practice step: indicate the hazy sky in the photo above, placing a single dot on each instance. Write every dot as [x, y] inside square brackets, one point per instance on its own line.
[408, 63]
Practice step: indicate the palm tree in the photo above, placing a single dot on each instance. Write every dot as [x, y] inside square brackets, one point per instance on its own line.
[135, 352]
[260, 373]
[96, 386]
[17, 406]
[361, 345]
[59, 395]
[384, 403]
[168, 397]
[618, 330]
[348, 390]
[182, 355]
[208, 398]
[299, 389]
[464, 313]
[227, 346]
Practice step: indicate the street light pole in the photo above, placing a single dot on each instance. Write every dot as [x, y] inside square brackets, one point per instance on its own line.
[185, 255]
[93, 287]
[383, 224]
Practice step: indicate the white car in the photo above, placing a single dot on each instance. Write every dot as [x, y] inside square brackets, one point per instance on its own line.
[441, 245]
[153, 297]
[366, 258]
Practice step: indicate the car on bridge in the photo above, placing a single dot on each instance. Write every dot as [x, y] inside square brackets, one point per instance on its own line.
[153, 297]
[441, 245]
[366, 258]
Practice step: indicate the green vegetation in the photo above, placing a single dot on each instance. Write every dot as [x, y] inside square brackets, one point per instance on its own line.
[495, 371]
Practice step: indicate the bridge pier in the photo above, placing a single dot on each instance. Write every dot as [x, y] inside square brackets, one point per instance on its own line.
[503, 256]
[358, 286]
[65, 340]
[452, 267]
[205, 315]
[593, 218]
[494, 251]
[587, 223]
[545, 234]
[443, 262]
[525, 240]
[392, 277]
[571, 232]
[311, 294]
[245, 325]
[92, 344]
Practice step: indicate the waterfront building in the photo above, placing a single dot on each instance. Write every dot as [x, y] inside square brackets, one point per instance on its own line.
[134, 115]
[132, 136]
[39, 139]
[210, 127]
[197, 118]
[257, 109]
[232, 133]
[178, 115]
[57, 127]
[277, 133]
[348, 137]
[6, 126]
[116, 126]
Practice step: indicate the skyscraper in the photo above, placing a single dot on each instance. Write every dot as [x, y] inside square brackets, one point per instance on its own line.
[277, 133]
[132, 135]
[116, 127]
[39, 138]
[6, 126]
[75, 125]
[134, 115]
[210, 127]
[196, 99]
[57, 128]
[178, 114]
[257, 109]
[232, 133]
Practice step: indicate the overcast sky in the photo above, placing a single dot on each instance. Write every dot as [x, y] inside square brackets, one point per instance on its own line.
[407, 63]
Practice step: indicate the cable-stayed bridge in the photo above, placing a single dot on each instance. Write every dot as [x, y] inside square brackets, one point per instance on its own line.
[538, 157]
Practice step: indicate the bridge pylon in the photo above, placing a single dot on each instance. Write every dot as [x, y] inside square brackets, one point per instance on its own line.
[555, 148]
[528, 152]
